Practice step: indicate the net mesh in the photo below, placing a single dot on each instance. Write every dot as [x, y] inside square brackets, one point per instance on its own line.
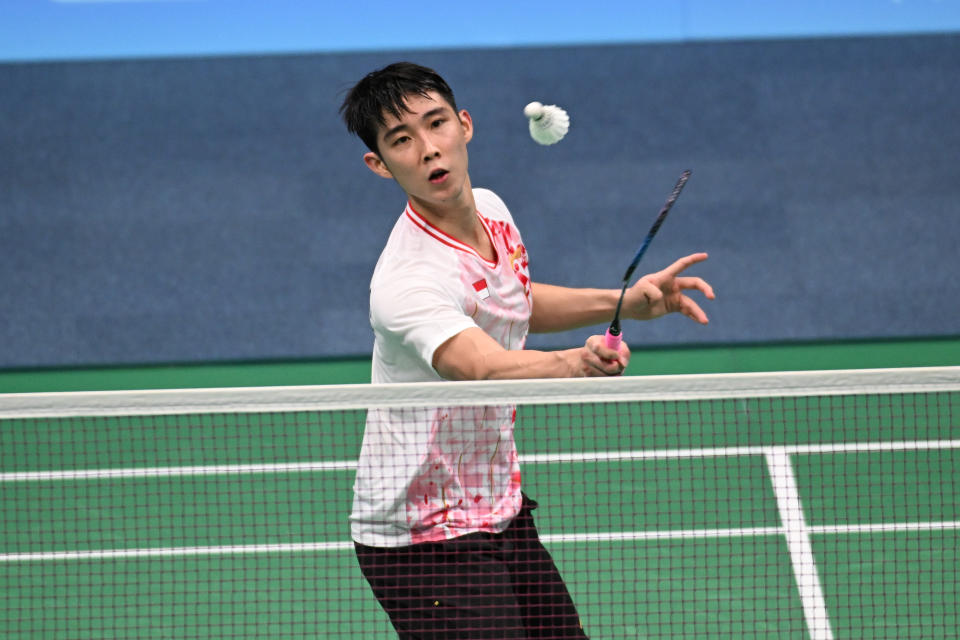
[783, 505]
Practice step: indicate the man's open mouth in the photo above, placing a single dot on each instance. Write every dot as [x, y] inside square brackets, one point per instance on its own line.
[438, 175]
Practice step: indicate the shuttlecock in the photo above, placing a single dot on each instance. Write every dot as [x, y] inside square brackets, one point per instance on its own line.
[548, 122]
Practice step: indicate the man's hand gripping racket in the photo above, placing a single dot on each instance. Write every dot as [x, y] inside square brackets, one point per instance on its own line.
[614, 336]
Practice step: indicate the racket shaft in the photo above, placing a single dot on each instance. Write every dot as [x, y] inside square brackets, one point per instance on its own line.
[613, 336]
[656, 224]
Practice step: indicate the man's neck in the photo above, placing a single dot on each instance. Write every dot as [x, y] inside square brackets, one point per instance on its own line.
[458, 220]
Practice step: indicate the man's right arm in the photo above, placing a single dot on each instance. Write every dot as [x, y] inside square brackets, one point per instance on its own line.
[474, 355]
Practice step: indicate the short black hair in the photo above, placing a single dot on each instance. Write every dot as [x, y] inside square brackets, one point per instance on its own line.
[385, 91]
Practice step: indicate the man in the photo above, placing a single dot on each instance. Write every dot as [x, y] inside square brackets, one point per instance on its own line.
[443, 532]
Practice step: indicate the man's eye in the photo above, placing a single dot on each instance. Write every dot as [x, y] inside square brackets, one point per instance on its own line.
[400, 140]
[438, 122]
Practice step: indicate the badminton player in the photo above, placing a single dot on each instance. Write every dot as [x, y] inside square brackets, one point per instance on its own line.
[443, 533]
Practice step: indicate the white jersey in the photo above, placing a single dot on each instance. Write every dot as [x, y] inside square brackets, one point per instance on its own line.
[429, 475]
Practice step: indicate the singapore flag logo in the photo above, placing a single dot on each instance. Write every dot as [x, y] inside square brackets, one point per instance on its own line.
[480, 286]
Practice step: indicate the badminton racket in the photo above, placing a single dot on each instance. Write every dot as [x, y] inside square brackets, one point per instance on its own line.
[613, 335]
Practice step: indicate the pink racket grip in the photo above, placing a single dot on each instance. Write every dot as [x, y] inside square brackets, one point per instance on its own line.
[613, 340]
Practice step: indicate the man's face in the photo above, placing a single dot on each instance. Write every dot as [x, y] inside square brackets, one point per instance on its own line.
[425, 151]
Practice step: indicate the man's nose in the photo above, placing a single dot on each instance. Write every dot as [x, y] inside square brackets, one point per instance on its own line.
[430, 150]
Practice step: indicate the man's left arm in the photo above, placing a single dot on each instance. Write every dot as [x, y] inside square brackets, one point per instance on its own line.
[654, 295]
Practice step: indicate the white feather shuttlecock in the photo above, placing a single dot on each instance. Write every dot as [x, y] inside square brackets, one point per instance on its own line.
[548, 122]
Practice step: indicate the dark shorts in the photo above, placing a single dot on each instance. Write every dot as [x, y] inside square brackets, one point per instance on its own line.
[478, 586]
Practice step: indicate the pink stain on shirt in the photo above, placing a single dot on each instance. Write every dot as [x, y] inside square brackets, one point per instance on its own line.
[470, 479]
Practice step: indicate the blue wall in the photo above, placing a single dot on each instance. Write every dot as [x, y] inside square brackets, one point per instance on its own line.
[158, 210]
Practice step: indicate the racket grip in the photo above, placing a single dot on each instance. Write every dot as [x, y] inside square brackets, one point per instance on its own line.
[613, 340]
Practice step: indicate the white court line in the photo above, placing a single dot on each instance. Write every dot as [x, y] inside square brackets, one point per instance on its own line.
[667, 534]
[799, 545]
[599, 456]
[842, 447]
[111, 554]
[556, 538]
[884, 527]
[166, 472]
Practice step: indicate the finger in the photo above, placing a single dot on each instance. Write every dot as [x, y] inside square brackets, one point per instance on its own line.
[693, 311]
[598, 346]
[594, 366]
[603, 360]
[691, 282]
[610, 367]
[624, 356]
[684, 263]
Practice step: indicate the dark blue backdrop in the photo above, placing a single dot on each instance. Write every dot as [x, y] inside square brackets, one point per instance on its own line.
[215, 208]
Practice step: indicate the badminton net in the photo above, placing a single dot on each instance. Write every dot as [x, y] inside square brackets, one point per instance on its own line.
[792, 505]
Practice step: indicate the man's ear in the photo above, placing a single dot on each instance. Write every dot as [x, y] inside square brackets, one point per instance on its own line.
[376, 164]
[467, 123]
